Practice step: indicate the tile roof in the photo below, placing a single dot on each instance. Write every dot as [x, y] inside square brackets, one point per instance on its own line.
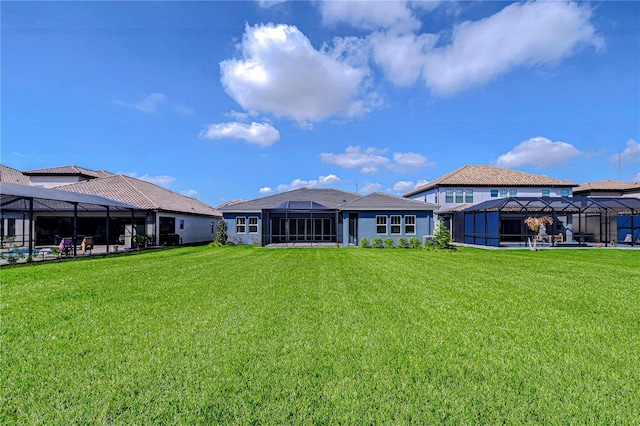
[7, 174]
[607, 185]
[328, 197]
[68, 171]
[380, 201]
[490, 176]
[141, 194]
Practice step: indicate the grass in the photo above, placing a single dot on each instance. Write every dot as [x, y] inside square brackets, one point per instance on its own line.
[242, 335]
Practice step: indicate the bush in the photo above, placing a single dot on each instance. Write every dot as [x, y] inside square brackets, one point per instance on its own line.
[414, 242]
[377, 242]
[388, 242]
[442, 236]
[221, 233]
[364, 243]
[402, 242]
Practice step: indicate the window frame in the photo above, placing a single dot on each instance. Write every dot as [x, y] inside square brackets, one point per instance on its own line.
[412, 224]
[397, 225]
[494, 193]
[242, 225]
[513, 192]
[546, 192]
[448, 196]
[459, 196]
[503, 192]
[250, 225]
[468, 196]
[379, 224]
[565, 192]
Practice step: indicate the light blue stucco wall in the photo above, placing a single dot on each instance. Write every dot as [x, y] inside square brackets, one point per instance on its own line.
[367, 225]
[246, 237]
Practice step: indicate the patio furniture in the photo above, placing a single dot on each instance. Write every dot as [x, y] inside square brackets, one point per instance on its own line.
[87, 244]
[65, 246]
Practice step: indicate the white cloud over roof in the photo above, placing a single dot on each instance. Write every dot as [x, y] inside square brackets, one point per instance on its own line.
[539, 152]
[322, 181]
[281, 73]
[263, 134]
[370, 160]
[630, 155]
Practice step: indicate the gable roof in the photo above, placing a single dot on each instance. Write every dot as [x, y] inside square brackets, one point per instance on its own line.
[607, 185]
[490, 176]
[69, 171]
[141, 194]
[7, 174]
[327, 197]
[379, 202]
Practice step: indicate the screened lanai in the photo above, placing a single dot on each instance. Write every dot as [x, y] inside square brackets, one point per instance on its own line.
[25, 206]
[576, 221]
[300, 221]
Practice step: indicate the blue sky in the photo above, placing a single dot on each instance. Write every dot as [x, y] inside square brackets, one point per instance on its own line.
[229, 100]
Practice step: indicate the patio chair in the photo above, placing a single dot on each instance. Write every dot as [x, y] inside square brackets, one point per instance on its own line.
[87, 244]
[65, 246]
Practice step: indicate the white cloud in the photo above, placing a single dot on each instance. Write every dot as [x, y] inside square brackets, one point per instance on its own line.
[630, 155]
[265, 190]
[189, 193]
[269, 3]
[313, 183]
[405, 162]
[365, 15]
[281, 73]
[539, 152]
[371, 159]
[401, 56]
[636, 178]
[368, 160]
[404, 186]
[148, 105]
[263, 134]
[162, 180]
[521, 34]
[370, 187]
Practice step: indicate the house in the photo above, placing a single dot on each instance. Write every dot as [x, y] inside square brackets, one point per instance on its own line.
[170, 218]
[608, 188]
[326, 215]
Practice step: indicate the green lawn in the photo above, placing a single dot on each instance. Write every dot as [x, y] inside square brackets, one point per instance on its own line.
[203, 335]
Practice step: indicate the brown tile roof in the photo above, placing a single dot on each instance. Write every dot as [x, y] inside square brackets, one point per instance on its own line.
[141, 194]
[68, 171]
[7, 174]
[607, 185]
[490, 176]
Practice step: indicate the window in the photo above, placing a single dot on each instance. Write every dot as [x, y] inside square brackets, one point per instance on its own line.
[458, 195]
[494, 193]
[546, 192]
[503, 193]
[11, 228]
[241, 226]
[181, 223]
[513, 193]
[396, 224]
[565, 192]
[448, 196]
[410, 225]
[253, 225]
[381, 224]
[468, 196]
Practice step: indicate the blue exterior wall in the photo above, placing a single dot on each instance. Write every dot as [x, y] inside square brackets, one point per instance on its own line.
[367, 225]
[246, 237]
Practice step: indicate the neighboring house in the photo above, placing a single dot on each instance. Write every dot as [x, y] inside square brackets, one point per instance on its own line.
[608, 188]
[471, 185]
[468, 186]
[171, 218]
[12, 225]
[326, 215]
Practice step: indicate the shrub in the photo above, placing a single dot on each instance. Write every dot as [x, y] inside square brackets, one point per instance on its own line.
[414, 242]
[402, 242]
[377, 242]
[364, 243]
[388, 242]
[221, 233]
[442, 236]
